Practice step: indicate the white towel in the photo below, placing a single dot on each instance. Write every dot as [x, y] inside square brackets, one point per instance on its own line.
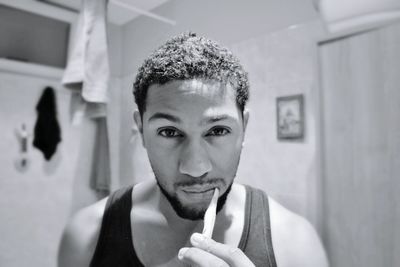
[88, 74]
[88, 66]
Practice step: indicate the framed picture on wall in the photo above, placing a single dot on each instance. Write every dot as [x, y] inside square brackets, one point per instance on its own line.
[290, 117]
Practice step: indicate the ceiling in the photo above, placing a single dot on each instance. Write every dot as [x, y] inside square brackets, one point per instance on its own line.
[117, 13]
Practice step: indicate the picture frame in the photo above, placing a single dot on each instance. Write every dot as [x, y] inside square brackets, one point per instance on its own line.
[290, 117]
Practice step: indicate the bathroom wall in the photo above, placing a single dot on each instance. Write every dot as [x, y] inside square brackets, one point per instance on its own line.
[278, 48]
[35, 204]
[361, 147]
[282, 63]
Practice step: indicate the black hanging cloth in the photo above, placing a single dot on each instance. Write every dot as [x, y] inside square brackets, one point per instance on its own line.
[47, 129]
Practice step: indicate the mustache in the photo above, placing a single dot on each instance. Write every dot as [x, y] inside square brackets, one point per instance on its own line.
[210, 181]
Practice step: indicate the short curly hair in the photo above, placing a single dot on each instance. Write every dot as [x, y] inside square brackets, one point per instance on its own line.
[188, 56]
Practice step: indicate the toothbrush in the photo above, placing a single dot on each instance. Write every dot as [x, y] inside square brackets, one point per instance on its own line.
[209, 216]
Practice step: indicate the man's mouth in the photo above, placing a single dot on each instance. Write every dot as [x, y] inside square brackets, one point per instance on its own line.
[201, 193]
[199, 189]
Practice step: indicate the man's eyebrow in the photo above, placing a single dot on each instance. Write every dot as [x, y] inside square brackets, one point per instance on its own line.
[217, 118]
[166, 116]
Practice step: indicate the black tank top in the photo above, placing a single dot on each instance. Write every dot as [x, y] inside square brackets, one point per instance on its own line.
[115, 245]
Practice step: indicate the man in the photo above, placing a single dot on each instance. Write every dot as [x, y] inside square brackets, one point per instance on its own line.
[191, 96]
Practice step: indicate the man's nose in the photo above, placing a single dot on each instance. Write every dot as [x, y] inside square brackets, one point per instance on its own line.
[194, 160]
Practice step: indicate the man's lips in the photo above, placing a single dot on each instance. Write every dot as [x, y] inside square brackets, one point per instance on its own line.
[198, 189]
[197, 193]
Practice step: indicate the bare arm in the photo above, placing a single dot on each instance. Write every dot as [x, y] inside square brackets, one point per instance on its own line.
[80, 237]
[295, 241]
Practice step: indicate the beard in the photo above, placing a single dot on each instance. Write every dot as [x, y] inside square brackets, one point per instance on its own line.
[192, 213]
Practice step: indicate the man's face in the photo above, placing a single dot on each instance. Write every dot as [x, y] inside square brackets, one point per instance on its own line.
[193, 132]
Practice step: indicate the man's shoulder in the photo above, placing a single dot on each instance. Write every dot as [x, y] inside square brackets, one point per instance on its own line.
[295, 240]
[80, 235]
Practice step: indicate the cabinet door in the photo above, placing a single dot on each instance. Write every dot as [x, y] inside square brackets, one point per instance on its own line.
[361, 147]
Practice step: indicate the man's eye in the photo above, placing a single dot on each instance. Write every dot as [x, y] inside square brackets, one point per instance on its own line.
[169, 133]
[218, 131]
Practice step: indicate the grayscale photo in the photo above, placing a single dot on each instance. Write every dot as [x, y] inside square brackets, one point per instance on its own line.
[214, 133]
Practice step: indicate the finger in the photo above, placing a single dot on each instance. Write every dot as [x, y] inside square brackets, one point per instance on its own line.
[200, 258]
[231, 255]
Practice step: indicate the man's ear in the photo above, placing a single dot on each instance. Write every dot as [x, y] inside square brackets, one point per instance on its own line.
[138, 120]
[246, 114]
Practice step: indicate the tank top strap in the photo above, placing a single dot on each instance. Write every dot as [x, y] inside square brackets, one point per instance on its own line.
[115, 246]
[256, 240]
